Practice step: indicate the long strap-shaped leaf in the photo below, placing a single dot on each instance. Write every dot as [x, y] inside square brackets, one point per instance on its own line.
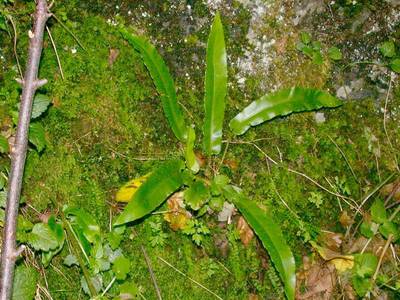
[215, 88]
[162, 80]
[271, 237]
[281, 103]
[160, 184]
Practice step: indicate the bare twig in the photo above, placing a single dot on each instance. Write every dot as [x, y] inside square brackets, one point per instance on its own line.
[153, 277]
[30, 83]
[69, 31]
[55, 51]
[389, 240]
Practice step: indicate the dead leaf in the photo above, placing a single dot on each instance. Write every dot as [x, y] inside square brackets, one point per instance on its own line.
[112, 56]
[201, 159]
[319, 282]
[340, 261]
[245, 232]
[177, 216]
[126, 192]
[375, 246]
[349, 292]
[331, 240]
[345, 219]
[231, 163]
[253, 297]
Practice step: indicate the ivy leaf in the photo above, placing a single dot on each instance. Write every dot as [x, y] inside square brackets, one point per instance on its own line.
[334, 53]
[121, 267]
[37, 136]
[196, 195]
[40, 104]
[395, 65]
[281, 103]
[43, 238]
[4, 148]
[388, 228]
[378, 212]
[25, 279]
[387, 49]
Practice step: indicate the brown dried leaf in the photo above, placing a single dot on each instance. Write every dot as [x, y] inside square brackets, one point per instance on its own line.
[331, 240]
[201, 159]
[177, 216]
[392, 189]
[345, 219]
[112, 56]
[319, 282]
[245, 232]
[254, 297]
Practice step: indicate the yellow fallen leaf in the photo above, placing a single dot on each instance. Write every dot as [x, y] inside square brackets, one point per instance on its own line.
[127, 191]
[340, 261]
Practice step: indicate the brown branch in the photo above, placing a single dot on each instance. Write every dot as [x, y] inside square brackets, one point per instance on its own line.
[30, 83]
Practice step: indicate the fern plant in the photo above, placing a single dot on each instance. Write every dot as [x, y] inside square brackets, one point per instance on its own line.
[179, 174]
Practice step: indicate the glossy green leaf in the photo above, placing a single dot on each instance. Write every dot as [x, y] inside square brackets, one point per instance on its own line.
[37, 136]
[25, 280]
[40, 104]
[361, 285]
[378, 212]
[162, 80]
[191, 161]
[3, 144]
[160, 184]
[281, 103]
[271, 237]
[215, 88]
[59, 234]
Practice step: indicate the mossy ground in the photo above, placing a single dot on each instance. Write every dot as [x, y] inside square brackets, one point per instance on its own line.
[106, 126]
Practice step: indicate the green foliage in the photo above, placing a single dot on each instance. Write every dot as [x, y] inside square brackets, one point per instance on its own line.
[215, 88]
[158, 236]
[43, 238]
[25, 279]
[121, 267]
[335, 53]
[40, 104]
[388, 49]
[316, 198]
[364, 267]
[162, 80]
[4, 148]
[196, 195]
[378, 211]
[152, 193]
[37, 136]
[196, 230]
[190, 157]
[281, 103]
[271, 237]
[395, 65]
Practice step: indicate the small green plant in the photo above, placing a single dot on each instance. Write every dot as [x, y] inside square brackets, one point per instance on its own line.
[313, 49]
[203, 191]
[158, 236]
[391, 55]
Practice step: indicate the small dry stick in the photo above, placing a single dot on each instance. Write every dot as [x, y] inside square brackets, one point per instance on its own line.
[389, 240]
[191, 279]
[153, 277]
[15, 46]
[55, 51]
[69, 31]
